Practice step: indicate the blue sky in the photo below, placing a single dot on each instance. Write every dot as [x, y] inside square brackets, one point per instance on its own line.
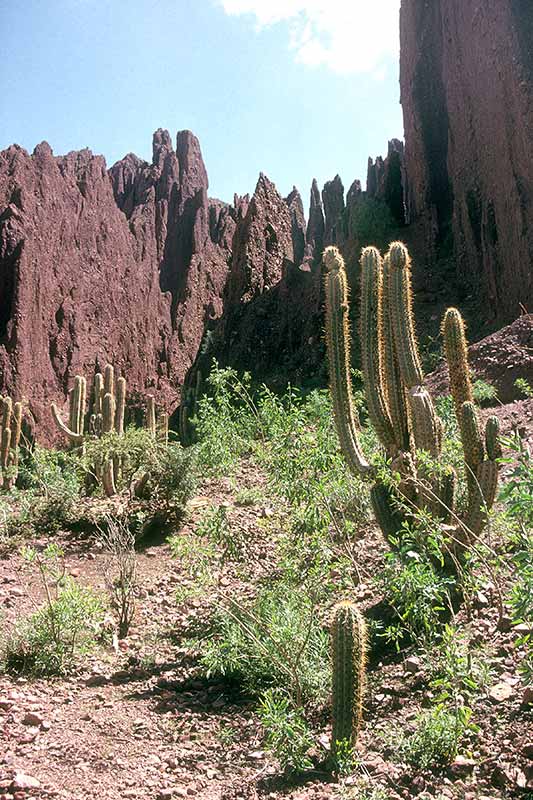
[293, 88]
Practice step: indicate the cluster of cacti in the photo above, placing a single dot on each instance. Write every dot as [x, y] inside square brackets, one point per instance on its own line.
[349, 649]
[399, 406]
[106, 414]
[10, 426]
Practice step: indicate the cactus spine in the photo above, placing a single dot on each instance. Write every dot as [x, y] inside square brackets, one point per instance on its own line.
[400, 407]
[10, 429]
[349, 649]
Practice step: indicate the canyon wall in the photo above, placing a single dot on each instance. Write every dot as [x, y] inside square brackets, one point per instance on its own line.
[136, 265]
[124, 266]
[466, 74]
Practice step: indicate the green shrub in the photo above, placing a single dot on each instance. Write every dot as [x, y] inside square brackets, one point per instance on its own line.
[435, 742]
[485, 394]
[53, 639]
[275, 641]
[418, 594]
[524, 387]
[226, 422]
[287, 734]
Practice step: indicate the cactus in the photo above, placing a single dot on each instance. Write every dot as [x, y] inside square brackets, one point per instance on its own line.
[156, 423]
[400, 407]
[107, 411]
[10, 428]
[349, 648]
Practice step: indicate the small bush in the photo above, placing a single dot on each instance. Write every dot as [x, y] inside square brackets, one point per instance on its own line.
[485, 394]
[52, 640]
[435, 741]
[287, 734]
[275, 641]
[120, 570]
[418, 594]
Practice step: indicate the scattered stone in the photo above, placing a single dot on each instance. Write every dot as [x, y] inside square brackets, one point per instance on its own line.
[527, 750]
[500, 692]
[32, 718]
[412, 664]
[527, 696]
[462, 767]
[22, 782]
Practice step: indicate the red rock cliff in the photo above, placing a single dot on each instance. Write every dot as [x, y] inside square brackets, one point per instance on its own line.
[467, 96]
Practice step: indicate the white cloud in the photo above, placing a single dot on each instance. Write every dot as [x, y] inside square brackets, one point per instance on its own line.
[346, 36]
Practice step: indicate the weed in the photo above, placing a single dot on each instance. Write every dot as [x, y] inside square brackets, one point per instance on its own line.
[120, 570]
[524, 387]
[485, 394]
[248, 497]
[287, 734]
[275, 640]
[51, 640]
[418, 594]
[435, 741]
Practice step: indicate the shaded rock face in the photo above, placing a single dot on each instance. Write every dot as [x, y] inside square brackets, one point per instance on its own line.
[272, 298]
[386, 180]
[467, 95]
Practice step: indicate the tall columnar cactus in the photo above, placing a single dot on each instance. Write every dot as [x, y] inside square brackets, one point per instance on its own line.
[156, 423]
[400, 407]
[108, 403]
[349, 649]
[10, 428]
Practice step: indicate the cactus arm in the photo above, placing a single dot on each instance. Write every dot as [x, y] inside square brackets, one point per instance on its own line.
[120, 406]
[394, 389]
[338, 348]
[81, 405]
[473, 449]
[401, 309]
[427, 431]
[108, 478]
[16, 429]
[109, 379]
[456, 353]
[73, 437]
[150, 414]
[162, 428]
[108, 412]
[492, 442]
[372, 346]
[349, 646]
[6, 440]
[98, 393]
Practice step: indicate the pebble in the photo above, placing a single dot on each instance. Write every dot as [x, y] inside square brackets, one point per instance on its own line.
[21, 781]
[32, 718]
[500, 692]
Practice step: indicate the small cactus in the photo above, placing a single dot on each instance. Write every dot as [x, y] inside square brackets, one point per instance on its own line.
[349, 652]
[10, 429]
[400, 407]
[156, 423]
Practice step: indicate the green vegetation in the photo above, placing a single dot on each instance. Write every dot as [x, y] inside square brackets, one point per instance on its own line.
[281, 568]
[53, 639]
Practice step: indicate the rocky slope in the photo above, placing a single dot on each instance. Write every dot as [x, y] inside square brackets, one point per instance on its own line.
[467, 96]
